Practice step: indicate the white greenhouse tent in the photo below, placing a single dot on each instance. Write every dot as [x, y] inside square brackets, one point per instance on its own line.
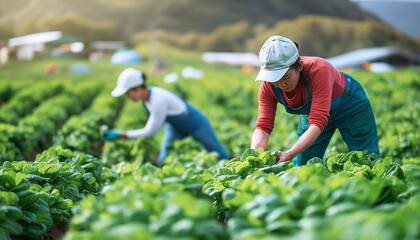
[378, 58]
[232, 58]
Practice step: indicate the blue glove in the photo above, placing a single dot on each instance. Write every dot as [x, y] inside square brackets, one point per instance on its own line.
[112, 134]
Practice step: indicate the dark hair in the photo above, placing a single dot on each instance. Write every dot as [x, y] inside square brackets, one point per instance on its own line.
[303, 77]
[143, 75]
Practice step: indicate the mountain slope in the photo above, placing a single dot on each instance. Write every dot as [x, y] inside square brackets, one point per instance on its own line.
[179, 15]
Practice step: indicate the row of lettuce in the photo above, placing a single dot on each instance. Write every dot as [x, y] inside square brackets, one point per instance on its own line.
[36, 195]
[71, 119]
[197, 197]
[193, 196]
[393, 97]
[249, 198]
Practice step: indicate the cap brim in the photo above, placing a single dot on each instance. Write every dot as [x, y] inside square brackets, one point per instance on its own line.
[271, 76]
[118, 91]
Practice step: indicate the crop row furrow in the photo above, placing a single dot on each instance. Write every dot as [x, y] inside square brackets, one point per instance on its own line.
[34, 132]
[83, 132]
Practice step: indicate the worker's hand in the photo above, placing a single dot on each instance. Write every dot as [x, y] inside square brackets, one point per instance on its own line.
[283, 157]
[112, 134]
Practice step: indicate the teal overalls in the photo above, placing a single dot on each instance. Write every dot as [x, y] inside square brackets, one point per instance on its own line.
[350, 112]
[193, 123]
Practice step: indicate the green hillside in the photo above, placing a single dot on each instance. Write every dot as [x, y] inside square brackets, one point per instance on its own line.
[327, 29]
[181, 15]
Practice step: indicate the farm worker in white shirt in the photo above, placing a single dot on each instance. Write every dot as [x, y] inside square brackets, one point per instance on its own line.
[167, 109]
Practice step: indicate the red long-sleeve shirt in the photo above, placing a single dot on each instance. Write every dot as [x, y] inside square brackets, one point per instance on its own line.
[325, 83]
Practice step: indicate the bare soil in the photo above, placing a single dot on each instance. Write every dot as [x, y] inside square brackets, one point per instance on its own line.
[54, 233]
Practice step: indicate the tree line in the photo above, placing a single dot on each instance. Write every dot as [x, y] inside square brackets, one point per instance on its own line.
[317, 35]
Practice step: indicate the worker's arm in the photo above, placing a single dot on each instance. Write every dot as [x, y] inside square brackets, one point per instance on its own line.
[154, 123]
[259, 139]
[304, 142]
[267, 107]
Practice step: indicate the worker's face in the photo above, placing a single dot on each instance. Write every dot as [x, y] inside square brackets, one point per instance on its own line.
[290, 80]
[136, 94]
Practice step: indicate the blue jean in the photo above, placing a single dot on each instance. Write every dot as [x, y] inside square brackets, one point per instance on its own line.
[192, 123]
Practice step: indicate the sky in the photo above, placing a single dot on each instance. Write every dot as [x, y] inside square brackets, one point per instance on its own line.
[401, 14]
[385, 0]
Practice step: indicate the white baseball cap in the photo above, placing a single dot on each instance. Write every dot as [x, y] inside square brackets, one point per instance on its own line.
[276, 56]
[128, 79]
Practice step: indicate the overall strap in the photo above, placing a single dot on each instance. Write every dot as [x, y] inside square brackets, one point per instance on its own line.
[349, 82]
[144, 104]
[305, 109]
[145, 109]
[278, 94]
[280, 97]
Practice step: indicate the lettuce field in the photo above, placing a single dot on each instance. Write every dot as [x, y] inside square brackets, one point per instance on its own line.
[58, 179]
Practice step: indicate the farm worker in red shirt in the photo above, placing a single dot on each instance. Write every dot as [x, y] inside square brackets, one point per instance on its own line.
[325, 98]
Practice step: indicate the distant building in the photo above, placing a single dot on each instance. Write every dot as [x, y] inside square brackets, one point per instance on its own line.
[4, 55]
[27, 47]
[232, 58]
[98, 49]
[107, 45]
[249, 62]
[377, 59]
